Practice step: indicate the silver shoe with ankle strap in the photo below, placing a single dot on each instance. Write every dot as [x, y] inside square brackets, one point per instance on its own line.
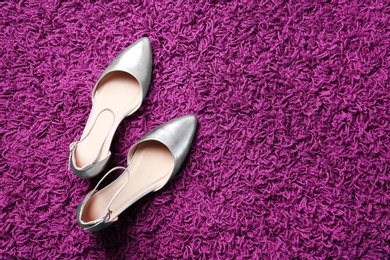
[118, 93]
[152, 161]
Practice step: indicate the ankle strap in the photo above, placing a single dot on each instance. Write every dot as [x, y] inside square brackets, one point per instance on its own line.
[125, 170]
[74, 144]
[92, 192]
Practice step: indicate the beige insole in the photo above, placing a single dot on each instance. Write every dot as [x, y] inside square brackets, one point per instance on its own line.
[121, 93]
[150, 168]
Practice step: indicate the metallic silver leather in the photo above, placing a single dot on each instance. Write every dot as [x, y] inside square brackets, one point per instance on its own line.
[137, 61]
[177, 135]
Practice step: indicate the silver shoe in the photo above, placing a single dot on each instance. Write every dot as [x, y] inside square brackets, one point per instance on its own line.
[118, 93]
[152, 161]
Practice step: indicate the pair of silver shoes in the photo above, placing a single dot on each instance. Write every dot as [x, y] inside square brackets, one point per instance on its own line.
[152, 161]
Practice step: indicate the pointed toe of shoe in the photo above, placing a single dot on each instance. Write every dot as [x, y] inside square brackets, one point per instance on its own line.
[177, 135]
[187, 125]
[144, 44]
[140, 52]
[136, 60]
[182, 130]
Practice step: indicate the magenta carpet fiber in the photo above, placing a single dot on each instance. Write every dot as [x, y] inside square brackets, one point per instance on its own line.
[291, 158]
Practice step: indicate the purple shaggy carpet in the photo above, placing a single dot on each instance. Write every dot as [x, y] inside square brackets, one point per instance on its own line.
[292, 154]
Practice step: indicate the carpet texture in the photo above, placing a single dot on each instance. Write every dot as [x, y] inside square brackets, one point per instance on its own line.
[291, 158]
